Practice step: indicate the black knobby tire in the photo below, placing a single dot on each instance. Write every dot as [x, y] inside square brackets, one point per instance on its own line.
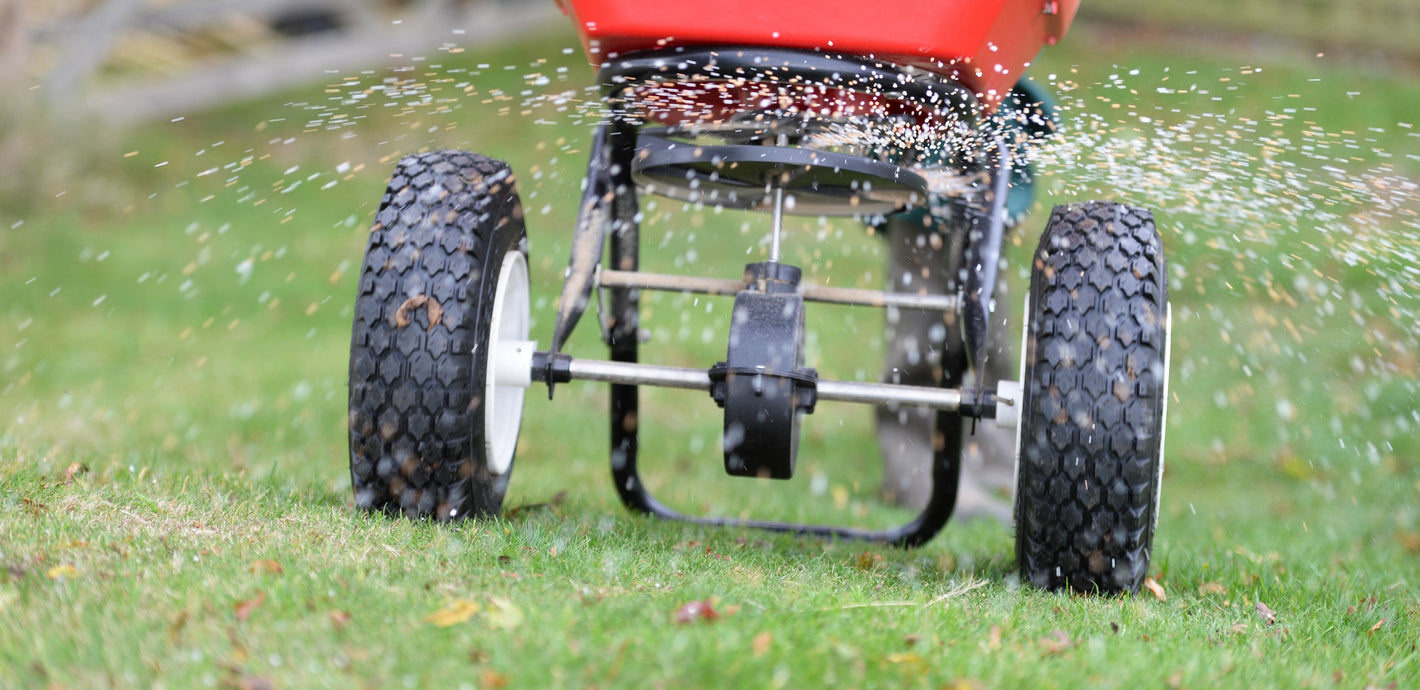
[1092, 422]
[446, 223]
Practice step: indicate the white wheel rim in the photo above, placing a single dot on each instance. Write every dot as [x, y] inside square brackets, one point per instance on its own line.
[1021, 403]
[503, 405]
[1163, 417]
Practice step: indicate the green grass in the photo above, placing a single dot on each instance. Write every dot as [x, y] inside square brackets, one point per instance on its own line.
[174, 495]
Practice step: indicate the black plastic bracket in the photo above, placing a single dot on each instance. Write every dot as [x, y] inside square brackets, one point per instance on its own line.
[772, 278]
[978, 403]
[762, 382]
[805, 382]
[556, 367]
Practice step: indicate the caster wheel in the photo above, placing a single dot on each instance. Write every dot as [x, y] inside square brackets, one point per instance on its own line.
[1095, 387]
[445, 280]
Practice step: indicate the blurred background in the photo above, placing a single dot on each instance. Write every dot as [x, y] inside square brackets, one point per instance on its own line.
[136, 60]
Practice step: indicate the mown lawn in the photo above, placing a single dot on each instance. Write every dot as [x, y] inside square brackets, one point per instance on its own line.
[175, 503]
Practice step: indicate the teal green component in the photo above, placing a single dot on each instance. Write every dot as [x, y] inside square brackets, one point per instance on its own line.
[1029, 111]
[1026, 115]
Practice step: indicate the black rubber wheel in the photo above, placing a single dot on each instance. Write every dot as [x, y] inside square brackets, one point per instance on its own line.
[445, 272]
[1091, 451]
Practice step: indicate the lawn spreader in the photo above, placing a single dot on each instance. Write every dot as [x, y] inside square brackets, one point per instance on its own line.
[784, 107]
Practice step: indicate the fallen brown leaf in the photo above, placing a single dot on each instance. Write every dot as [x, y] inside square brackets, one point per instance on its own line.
[1267, 615]
[911, 662]
[761, 644]
[265, 566]
[1237, 629]
[339, 619]
[255, 683]
[1055, 643]
[993, 638]
[618, 661]
[244, 608]
[1155, 589]
[1410, 541]
[1212, 588]
[493, 679]
[904, 658]
[456, 612]
[175, 626]
[432, 308]
[502, 614]
[694, 611]
[75, 469]
[1376, 627]
[59, 571]
[239, 651]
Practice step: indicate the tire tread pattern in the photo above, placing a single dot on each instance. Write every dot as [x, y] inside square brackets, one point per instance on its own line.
[1092, 422]
[416, 419]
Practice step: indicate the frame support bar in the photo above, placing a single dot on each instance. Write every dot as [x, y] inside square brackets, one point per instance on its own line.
[810, 293]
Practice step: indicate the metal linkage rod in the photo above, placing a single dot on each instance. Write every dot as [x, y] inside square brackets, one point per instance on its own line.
[879, 298]
[778, 223]
[811, 293]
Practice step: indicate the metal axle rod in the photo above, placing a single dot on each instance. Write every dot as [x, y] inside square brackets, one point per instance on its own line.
[699, 379]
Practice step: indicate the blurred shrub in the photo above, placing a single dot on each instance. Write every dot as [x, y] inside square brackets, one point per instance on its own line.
[1389, 26]
[47, 156]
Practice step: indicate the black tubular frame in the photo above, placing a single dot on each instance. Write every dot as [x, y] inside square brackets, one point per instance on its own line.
[789, 66]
